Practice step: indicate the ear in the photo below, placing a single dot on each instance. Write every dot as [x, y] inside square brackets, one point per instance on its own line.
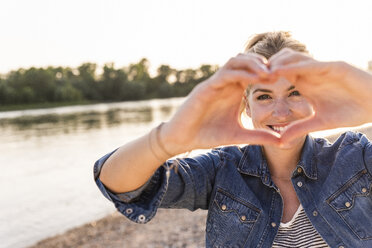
[248, 111]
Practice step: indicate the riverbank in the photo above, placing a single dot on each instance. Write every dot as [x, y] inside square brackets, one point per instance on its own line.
[171, 228]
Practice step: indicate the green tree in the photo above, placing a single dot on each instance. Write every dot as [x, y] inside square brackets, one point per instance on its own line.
[85, 81]
[160, 86]
[138, 73]
[4, 92]
[64, 84]
[207, 71]
[164, 72]
[113, 83]
[67, 93]
[38, 79]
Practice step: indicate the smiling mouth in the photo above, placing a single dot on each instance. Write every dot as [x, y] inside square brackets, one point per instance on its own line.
[278, 129]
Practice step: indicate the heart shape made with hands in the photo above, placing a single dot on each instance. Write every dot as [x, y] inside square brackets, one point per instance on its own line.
[334, 90]
[211, 115]
[216, 105]
[277, 108]
[266, 100]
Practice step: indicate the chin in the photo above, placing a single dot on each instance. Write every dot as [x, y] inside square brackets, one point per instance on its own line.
[298, 142]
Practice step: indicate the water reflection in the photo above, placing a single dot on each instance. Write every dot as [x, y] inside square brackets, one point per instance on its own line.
[56, 123]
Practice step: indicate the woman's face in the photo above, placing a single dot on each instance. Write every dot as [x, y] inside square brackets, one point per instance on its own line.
[274, 106]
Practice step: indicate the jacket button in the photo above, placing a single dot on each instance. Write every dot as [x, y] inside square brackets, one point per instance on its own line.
[223, 207]
[129, 211]
[347, 204]
[243, 217]
[341, 246]
[141, 218]
[315, 213]
[299, 170]
[364, 190]
[299, 184]
[273, 224]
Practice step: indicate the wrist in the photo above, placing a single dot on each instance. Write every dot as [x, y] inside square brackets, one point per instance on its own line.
[160, 142]
[156, 146]
[170, 140]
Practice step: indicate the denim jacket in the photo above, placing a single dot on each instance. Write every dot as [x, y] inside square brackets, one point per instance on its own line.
[333, 183]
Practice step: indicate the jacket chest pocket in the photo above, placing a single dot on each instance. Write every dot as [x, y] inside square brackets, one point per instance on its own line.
[353, 203]
[230, 220]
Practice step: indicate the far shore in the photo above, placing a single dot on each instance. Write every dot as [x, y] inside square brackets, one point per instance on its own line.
[13, 107]
[48, 105]
[170, 228]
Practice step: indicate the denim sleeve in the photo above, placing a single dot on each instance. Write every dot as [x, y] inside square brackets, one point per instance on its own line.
[188, 186]
[125, 197]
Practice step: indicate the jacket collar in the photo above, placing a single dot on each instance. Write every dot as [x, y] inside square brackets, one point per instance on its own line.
[254, 163]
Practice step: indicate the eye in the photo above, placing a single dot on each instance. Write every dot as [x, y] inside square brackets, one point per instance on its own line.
[263, 97]
[295, 93]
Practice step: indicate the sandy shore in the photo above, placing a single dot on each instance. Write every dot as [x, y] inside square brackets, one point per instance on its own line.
[171, 228]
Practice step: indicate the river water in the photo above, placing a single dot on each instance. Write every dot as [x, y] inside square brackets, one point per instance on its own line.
[47, 157]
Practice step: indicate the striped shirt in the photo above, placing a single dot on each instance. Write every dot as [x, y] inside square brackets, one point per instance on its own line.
[298, 233]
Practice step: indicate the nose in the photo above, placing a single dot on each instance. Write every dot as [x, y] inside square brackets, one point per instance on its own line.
[281, 110]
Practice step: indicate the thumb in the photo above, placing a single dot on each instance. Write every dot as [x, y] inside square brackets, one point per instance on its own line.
[258, 137]
[301, 128]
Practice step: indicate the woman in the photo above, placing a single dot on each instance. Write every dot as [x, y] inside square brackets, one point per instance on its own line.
[284, 183]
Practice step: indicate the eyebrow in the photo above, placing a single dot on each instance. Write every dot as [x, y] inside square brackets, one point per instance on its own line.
[269, 91]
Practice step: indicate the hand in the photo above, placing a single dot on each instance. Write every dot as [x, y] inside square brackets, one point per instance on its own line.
[210, 116]
[340, 93]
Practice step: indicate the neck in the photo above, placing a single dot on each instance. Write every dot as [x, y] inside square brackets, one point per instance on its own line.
[281, 161]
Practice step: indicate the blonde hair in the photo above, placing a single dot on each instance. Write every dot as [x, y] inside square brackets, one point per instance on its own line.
[269, 43]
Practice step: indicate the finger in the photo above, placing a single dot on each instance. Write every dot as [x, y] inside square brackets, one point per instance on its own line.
[237, 76]
[233, 60]
[250, 63]
[301, 128]
[242, 77]
[303, 68]
[288, 58]
[260, 58]
[282, 52]
[257, 137]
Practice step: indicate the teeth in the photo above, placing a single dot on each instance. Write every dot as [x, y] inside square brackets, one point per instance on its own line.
[278, 129]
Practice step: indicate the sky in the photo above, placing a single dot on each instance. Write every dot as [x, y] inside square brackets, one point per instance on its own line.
[180, 33]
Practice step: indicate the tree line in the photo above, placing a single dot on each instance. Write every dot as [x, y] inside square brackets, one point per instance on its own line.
[65, 84]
